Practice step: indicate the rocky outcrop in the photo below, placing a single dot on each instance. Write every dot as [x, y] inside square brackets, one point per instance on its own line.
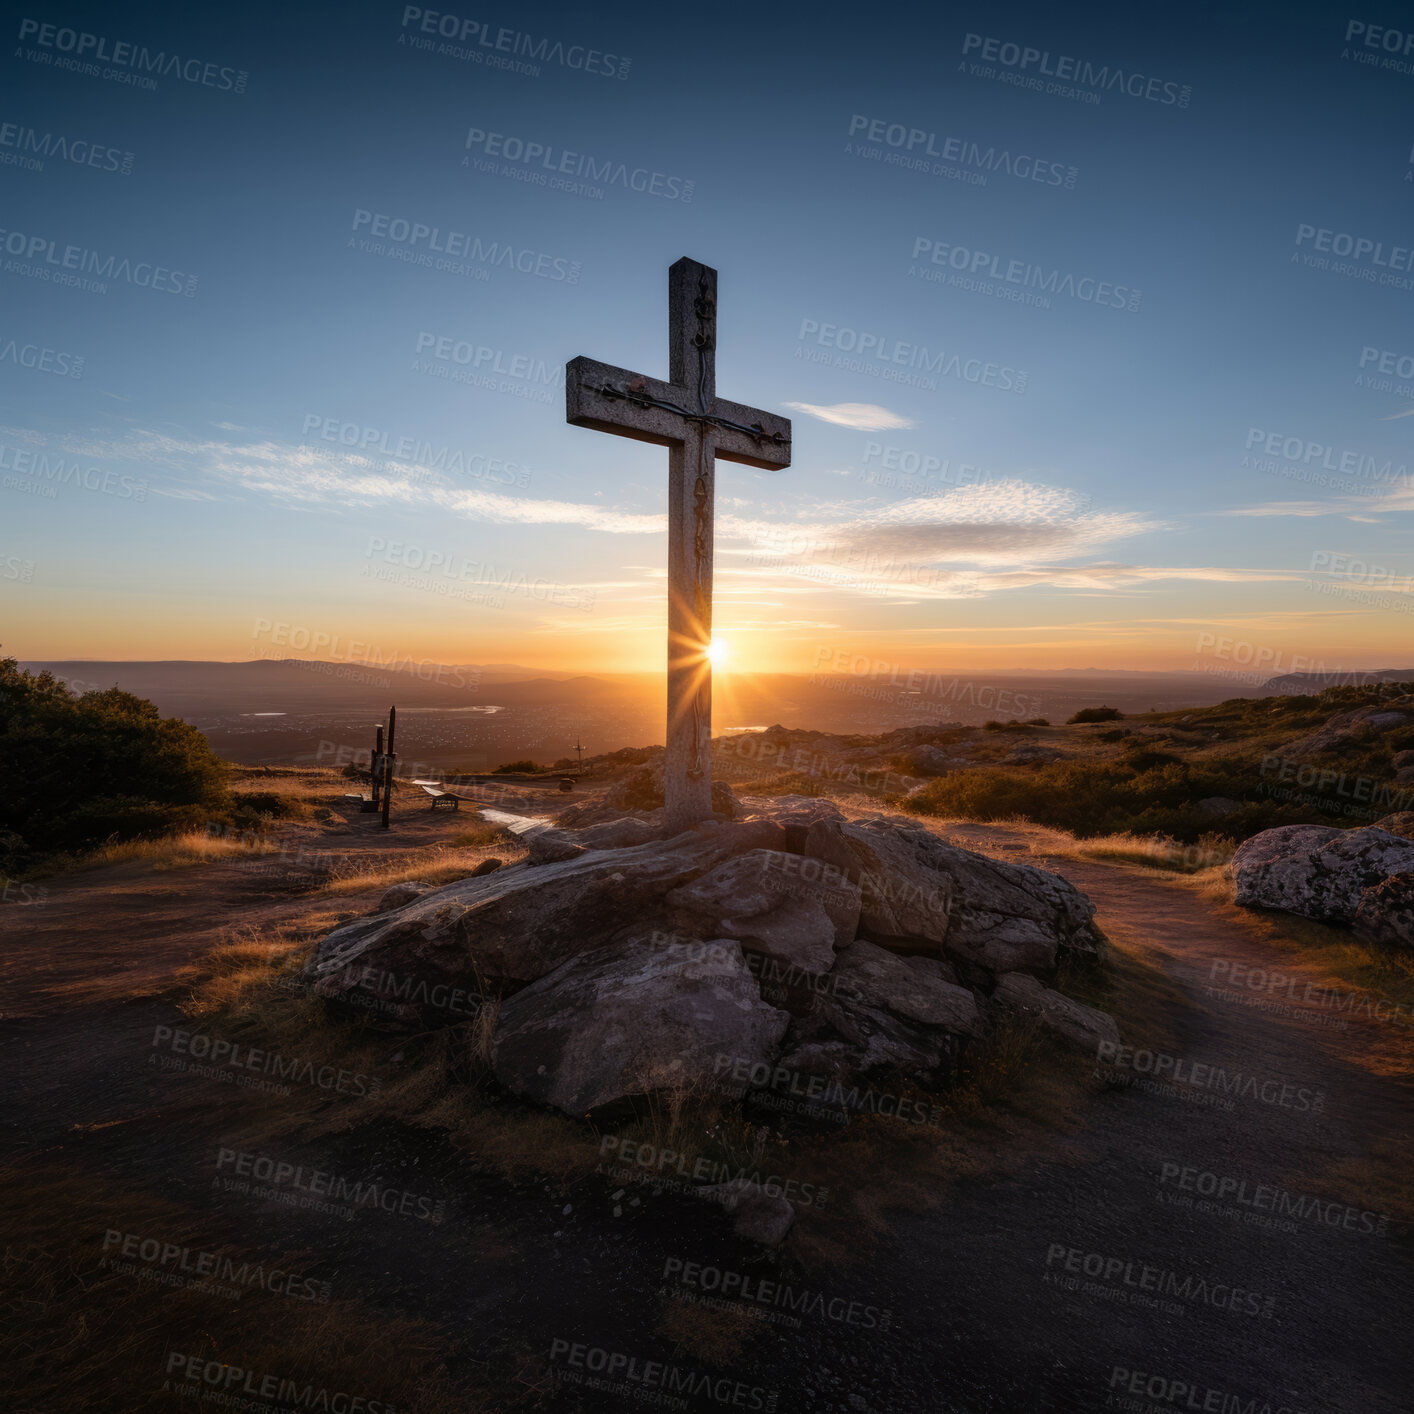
[624, 962]
[917, 887]
[1385, 917]
[633, 1018]
[1317, 871]
[1347, 728]
[1082, 1026]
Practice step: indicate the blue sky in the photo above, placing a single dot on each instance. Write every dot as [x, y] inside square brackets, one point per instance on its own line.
[1104, 515]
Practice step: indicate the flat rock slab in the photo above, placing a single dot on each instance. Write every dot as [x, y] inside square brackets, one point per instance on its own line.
[633, 1018]
[523, 921]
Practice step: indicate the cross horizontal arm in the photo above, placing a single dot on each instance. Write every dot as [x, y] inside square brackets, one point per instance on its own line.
[612, 399]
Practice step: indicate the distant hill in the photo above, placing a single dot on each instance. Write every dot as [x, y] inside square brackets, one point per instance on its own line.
[1300, 684]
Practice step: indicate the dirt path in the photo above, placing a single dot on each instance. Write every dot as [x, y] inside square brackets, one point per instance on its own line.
[1007, 1275]
[988, 1309]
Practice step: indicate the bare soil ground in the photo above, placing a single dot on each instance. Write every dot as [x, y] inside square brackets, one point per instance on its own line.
[1023, 1277]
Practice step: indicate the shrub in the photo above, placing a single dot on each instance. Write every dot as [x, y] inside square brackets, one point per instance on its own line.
[1096, 714]
[513, 766]
[1038, 722]
[80, 770]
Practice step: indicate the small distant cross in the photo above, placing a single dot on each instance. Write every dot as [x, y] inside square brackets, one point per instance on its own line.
[686, 416]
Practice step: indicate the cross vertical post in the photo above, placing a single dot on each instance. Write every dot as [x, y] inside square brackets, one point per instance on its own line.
[692, 352]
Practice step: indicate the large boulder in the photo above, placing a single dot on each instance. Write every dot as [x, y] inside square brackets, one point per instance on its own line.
[630, 1019]
[1317, 871]
[1082, 1026]
[920, 989]
[918, 888]
[523, 921]
[1385, 917]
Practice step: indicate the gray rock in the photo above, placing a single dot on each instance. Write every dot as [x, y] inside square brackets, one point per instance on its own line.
[775, 903]
[547, 846]
[841, 1037]
[759, 1216]
[761, 880]
[916, 887]
[919, 989]
[902, 893]
[631, 1019]
[798, 932]
[1317, 871]
[521, 922]
[395, 895]
[1385, 918]
[550, 846]
[1083, 1026]
[1345, 728]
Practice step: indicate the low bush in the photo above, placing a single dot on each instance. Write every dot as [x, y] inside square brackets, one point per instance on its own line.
[1096, 714]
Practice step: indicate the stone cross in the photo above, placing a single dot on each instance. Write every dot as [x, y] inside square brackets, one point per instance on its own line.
[686, 416]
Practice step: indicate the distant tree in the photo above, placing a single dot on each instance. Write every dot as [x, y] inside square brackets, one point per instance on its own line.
[1037, 722]
[1096, 714]
[521, 766]
[82, 769]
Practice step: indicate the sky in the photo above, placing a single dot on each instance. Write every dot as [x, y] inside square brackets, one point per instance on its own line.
[1093, 327]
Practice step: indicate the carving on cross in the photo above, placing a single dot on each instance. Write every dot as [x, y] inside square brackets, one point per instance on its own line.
[685, 415]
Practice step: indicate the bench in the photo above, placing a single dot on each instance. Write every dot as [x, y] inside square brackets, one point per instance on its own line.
[441, 797]
[365, 802]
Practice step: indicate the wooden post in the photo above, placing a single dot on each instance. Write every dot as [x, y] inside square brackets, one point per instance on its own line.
[375, 766]
[388, 758]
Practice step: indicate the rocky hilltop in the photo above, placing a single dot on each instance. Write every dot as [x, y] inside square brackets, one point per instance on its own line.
[784, 948]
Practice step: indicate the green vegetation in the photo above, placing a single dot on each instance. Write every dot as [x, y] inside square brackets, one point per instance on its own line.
[105, 766]
[1095, 714]
[513, 767]
[1222, 772]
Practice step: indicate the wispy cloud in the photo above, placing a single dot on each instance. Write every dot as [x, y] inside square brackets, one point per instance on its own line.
[860, 417]
[966, 542]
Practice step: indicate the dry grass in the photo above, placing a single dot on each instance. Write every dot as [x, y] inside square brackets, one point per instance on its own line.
[436, 864]
[705, 1334]
[179, 851]
[1335, 952]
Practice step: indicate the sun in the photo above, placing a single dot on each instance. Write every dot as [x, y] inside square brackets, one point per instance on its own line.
[718, 652]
